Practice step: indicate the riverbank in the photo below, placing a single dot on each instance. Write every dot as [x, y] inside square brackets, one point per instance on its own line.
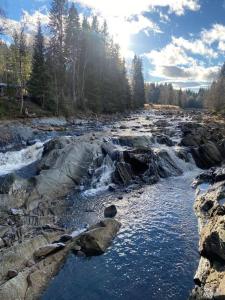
[121, 156]
[209, 207]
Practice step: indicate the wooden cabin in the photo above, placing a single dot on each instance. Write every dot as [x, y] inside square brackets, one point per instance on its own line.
[10, 90]
[3, 89]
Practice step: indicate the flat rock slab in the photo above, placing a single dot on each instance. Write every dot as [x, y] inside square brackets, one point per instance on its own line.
[48, 249]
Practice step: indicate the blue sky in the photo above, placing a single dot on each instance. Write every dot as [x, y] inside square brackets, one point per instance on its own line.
[180, 41]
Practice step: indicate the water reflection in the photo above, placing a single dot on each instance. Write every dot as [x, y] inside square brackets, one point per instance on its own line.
[153, 257]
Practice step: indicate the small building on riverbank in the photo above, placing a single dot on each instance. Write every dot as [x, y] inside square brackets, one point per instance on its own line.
[10, 90]
[3, 89]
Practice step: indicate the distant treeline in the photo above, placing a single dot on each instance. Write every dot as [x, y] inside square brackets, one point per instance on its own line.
[76, 65]
[166, 94]
[212, 98]
[215, 99]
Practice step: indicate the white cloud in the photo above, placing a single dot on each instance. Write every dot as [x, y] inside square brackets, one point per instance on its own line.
[30, 20]
[194, 46]
[171, 55]
[128, 8]
[175, 61]
[126, 17]
[221, 46]
[164, 18]
[122, 29]
[192, 73]
[215, 34]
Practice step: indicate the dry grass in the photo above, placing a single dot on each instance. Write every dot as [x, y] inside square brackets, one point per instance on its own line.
[161, 106]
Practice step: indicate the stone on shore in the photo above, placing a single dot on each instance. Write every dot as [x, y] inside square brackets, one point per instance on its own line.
[48, 249]
[99, 237]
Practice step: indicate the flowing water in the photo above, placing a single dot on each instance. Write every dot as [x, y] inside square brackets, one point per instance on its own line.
[154, 256]
[15, 160]
[155, 253]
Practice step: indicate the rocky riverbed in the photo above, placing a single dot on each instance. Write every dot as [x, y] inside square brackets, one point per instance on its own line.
[44, 161]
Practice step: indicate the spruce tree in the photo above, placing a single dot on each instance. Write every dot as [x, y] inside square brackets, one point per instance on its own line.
[58, 15]
[83, 62]
[72, 51]
[138, 89]
[93, 73]
[37, 85]
[20, 61]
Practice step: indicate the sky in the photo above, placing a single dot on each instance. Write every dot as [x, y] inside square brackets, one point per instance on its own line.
[180, 41]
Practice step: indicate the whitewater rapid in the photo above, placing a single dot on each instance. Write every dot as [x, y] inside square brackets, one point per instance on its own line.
[12, 161]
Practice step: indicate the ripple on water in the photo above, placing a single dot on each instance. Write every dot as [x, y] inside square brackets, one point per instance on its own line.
[153, 257]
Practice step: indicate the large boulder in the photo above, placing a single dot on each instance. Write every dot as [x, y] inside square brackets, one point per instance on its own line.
[211, 176]
[14, 136]
[65, 163]
[164, 139]
[184, 154]
[99, 237]
[123, 173]
[212, 240]
[139, 160]
[136, 141]
[113, 151]
[6, 183]
[207, 155]
[191, 140]
[208, 205]
[166, 165]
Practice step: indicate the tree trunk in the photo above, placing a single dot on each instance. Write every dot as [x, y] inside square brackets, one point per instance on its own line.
[21, 101]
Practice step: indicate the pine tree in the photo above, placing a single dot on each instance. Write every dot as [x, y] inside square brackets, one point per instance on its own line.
[179, 100]
[58, 14]
[37, 85]
[93, 71]
[83, 62]
[72, 52]
[20, 61]
[138, 90]
[215, 97]
[126, 87]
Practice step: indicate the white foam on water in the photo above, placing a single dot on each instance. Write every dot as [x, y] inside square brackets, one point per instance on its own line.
[15, 160]
[77, 232]
[101, 182]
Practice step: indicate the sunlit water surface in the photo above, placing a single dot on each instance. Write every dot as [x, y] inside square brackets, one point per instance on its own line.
[153, 257]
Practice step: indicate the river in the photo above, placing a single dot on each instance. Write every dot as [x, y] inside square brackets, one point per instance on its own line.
[153, 257]
[155, 253]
